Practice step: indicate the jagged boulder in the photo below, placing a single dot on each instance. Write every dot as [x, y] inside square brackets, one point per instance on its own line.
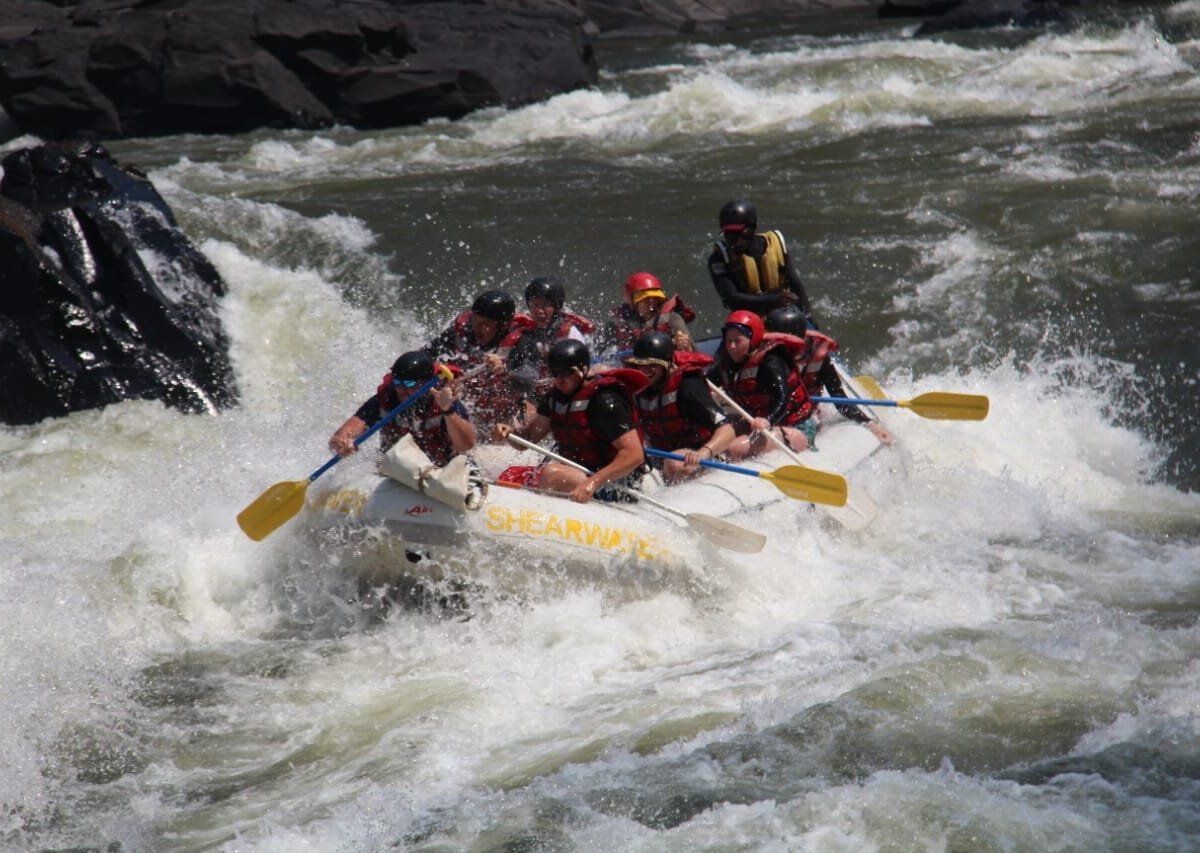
[116, 68]
[83, 321]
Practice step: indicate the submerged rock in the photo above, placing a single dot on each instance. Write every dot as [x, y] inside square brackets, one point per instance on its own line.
[102, 298]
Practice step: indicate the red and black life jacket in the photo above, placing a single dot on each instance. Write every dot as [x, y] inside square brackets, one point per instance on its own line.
[676, 304]
[742, 381]
[568, 417]
[422, 419]
[490, 398]
[523, 324]
[464, 333]
[628, 326]
[665, 427]
[543, 339]
[818, 348]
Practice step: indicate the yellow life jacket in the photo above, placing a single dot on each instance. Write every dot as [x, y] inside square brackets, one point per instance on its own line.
[765, 274]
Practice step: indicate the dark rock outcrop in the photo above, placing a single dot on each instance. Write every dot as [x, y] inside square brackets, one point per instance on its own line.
[916, 8]
[116, 68]
[105, 69]
[83, 321]
[951, 15]
[980, 14]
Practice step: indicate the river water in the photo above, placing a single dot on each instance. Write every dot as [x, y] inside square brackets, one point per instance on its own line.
[1005, 660]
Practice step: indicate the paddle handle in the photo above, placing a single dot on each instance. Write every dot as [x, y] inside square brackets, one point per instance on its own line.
[854, 401]
[517, 440]
[526, 444]
[850, 385]
[746, 416]
[378, 425]
[707, 463]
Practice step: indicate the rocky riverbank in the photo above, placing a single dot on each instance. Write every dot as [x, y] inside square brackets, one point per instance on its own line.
[104, 69]
[84, 322]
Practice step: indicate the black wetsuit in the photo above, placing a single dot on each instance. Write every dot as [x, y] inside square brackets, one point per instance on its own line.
[830, 380]
[772, 380]
[729, 279]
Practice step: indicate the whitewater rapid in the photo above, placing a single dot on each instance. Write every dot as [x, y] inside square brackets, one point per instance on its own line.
[1005, 658]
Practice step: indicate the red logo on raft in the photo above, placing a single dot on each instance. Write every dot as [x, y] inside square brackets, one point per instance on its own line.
[420, 509]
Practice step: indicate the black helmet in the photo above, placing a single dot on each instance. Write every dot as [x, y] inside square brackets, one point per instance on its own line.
[495, 305]
[547, 287]
[788, 319]
[738, 215]
[415, 366]
[567, 354]
[653, 347]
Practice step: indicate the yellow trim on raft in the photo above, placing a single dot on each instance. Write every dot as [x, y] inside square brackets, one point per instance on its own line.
[532, 522]
[537, 524]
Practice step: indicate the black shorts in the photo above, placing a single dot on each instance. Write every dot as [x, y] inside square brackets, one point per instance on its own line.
[623, 490]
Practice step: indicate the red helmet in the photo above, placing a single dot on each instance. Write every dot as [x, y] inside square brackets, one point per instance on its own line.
[748, 323]
[640, 282]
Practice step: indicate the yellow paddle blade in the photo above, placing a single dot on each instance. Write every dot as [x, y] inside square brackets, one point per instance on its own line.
[272, 508]
[870, 387]
[808, 484]
[935, 405]
[944, 406]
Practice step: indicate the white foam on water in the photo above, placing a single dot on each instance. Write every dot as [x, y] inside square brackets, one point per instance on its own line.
[1007, 595]
[720, 94]
[995, 524]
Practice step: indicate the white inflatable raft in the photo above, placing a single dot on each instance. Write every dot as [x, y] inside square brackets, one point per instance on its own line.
[515, 537]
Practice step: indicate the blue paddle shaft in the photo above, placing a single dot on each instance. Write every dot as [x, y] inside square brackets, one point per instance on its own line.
[707, 463]
[619, 355]
[379, 424]
[853, 401]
